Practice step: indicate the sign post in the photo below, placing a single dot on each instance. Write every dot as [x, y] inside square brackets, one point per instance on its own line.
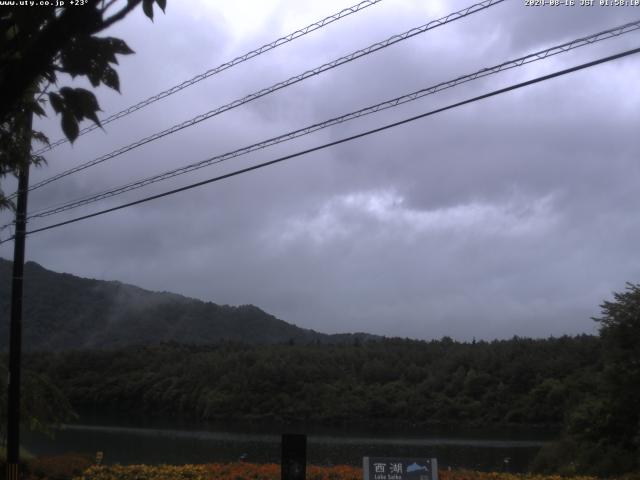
[294, 457]
[389, 468]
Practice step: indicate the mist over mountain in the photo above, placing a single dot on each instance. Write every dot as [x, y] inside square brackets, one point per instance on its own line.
[62, 311]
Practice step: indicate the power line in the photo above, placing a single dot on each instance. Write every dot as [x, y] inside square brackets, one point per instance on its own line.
[532, 57]
[309, 73]
[286, 83]
[220, 68]
[343, 140]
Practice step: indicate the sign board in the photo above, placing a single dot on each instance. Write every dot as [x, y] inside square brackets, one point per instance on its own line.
[390, 468]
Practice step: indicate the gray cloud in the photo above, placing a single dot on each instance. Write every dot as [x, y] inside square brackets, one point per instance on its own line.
[514, 215]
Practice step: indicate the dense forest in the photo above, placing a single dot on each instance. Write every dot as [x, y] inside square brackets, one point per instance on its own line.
[586, 386]
[515, 382]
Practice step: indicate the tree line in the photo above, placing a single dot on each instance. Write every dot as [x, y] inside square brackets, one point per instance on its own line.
[513, 382]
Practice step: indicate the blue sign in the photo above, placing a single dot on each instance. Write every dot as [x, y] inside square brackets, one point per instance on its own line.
[388, 468]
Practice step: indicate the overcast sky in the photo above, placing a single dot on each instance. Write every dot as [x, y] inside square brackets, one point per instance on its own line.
[516, 215]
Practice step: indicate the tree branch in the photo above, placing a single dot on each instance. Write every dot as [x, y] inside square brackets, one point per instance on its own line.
[17, 75]
[121, 14]
[107, 6]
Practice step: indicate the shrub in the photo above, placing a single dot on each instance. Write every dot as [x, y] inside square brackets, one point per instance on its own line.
[58, 467]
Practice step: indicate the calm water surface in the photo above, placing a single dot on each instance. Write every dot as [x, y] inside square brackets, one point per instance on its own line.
[154, 442]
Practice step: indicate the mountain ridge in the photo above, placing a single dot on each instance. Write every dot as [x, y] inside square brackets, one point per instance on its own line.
[64, 311]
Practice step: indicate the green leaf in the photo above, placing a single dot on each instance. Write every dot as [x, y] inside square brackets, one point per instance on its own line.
[91, 56]
[69, 126]
[37, 109]
[40, 137]
[38, 160]
[147, 8]
[82, 103]
[110, 78]
[94, 77]
[119, 46]
[87, 99]
[56, 102]
[71, 104]
[162, 4]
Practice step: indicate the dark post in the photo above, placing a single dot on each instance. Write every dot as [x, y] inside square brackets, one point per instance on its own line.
[15, 335]
[294, 457]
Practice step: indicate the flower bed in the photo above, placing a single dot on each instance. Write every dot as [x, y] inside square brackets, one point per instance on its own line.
[251, 471]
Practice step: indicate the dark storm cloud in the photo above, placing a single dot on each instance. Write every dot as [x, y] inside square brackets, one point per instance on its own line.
[514, 215]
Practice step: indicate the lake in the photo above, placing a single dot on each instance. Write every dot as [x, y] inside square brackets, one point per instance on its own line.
[154, 442]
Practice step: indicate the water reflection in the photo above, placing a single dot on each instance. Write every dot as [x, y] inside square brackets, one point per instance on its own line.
[129, 444]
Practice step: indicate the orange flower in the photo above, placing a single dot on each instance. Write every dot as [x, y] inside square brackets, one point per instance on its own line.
[271, 471]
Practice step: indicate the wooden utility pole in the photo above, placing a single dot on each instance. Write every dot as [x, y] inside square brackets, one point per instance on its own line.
[15, 335]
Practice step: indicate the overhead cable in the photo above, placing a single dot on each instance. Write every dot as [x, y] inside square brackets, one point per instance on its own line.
[220, 68]
[532, 57]
[340, 141]
[266, 91]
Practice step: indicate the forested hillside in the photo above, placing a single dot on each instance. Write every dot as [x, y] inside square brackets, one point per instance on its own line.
[62, 311]
[121, 349]
[522, 382]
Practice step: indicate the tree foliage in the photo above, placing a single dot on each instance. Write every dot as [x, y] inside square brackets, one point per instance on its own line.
[620, 333]
[37, 46]
[602, 434]
[391, 381]
[43, 406]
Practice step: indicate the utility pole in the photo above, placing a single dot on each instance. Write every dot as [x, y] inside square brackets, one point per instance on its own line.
[15, 335]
